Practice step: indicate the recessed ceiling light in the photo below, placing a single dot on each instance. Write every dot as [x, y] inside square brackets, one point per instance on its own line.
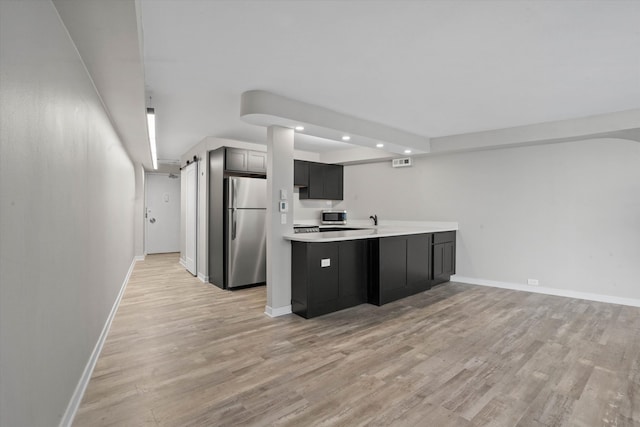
[407, 151]
[380, 145]
[299, 127]
[346, 138]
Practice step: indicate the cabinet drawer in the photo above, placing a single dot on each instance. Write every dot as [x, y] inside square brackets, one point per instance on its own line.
[447, 236]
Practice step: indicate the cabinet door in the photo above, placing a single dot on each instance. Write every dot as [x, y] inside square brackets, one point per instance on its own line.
[449, 259]
[235, 159]
[316, 180]
[353, 272]
[323, 281]
[438, 260]
[300, 173]
[444, 262]
[418, 262]
[256, 161]
[333, 180]
[392, 264]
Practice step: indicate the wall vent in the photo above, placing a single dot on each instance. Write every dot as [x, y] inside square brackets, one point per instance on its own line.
[401, 163]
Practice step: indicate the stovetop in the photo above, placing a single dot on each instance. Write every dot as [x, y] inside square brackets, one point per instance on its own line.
[302, 228]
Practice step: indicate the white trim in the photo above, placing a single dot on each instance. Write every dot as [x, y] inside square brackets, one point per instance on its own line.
[633, 302]
[139, 258]
[183, 263]
[203, 278]
[278, 311]
[78, 393]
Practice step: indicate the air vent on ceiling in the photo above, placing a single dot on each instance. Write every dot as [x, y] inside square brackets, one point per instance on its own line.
[401, 163]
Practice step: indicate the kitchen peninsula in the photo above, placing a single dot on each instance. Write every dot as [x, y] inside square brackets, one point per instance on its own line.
[334, 270]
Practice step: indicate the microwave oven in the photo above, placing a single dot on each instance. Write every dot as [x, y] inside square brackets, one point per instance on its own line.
[334, 217]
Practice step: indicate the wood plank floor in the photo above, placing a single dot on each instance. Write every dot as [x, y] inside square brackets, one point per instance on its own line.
[183, 353]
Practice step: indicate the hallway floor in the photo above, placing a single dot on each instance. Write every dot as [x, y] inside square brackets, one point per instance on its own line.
[184, 353]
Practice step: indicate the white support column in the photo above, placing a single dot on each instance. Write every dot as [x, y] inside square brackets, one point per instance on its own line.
[279, 177]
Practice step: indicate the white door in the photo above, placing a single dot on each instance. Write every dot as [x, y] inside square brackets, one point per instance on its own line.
[162, 194]
[190, 176]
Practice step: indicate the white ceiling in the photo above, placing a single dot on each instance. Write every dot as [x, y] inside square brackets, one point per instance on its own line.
[433, 68]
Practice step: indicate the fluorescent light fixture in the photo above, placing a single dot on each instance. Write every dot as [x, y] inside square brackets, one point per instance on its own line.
[300, 128]
[380, 145]
[346, 138]
[407, 151]
[151, 125]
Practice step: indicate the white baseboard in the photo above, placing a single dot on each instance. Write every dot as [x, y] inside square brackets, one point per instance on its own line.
[203, 278]
[78, 393]
[183, 262]
[138, 258]
[633, 302]
[276, 312]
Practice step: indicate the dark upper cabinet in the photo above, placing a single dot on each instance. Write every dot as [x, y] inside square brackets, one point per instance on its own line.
[333, 182]
[300, 173]
[240, 160]
[318, 180]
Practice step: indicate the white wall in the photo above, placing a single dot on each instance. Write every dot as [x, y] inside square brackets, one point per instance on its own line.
[308, 211]
[567, 214]
[67, 198]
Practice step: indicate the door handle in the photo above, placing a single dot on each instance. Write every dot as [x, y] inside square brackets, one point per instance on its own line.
[152, 220]
[233, 224]
[234, 193]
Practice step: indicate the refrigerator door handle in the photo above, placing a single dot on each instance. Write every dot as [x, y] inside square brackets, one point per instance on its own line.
[233, 223]
[234, 193]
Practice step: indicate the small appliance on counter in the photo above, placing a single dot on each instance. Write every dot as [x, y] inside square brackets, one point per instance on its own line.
[334, 217]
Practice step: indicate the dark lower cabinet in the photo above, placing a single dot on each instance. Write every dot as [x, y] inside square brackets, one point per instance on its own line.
[402, 267]
[328, 277]
[331, 276]
[444, 256]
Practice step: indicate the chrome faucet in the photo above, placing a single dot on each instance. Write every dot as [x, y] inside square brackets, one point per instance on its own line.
[374, 217]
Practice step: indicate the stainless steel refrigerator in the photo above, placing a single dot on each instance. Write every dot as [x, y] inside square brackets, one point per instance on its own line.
[245, 231]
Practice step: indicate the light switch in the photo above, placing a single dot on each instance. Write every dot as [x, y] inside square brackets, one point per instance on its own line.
[283, 218]
[325, 262]
[283, 194]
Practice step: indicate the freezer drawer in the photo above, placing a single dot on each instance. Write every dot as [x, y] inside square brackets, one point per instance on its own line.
[248, 193]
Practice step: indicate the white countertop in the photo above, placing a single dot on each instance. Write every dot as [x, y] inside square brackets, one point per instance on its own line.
[395, 228]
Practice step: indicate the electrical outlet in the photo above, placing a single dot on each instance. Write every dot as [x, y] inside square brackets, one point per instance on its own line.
[533, 282]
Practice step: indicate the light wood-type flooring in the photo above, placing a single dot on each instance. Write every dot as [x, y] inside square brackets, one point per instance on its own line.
[184, 353]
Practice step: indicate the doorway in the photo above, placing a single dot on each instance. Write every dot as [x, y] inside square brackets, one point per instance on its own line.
[162, 214]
